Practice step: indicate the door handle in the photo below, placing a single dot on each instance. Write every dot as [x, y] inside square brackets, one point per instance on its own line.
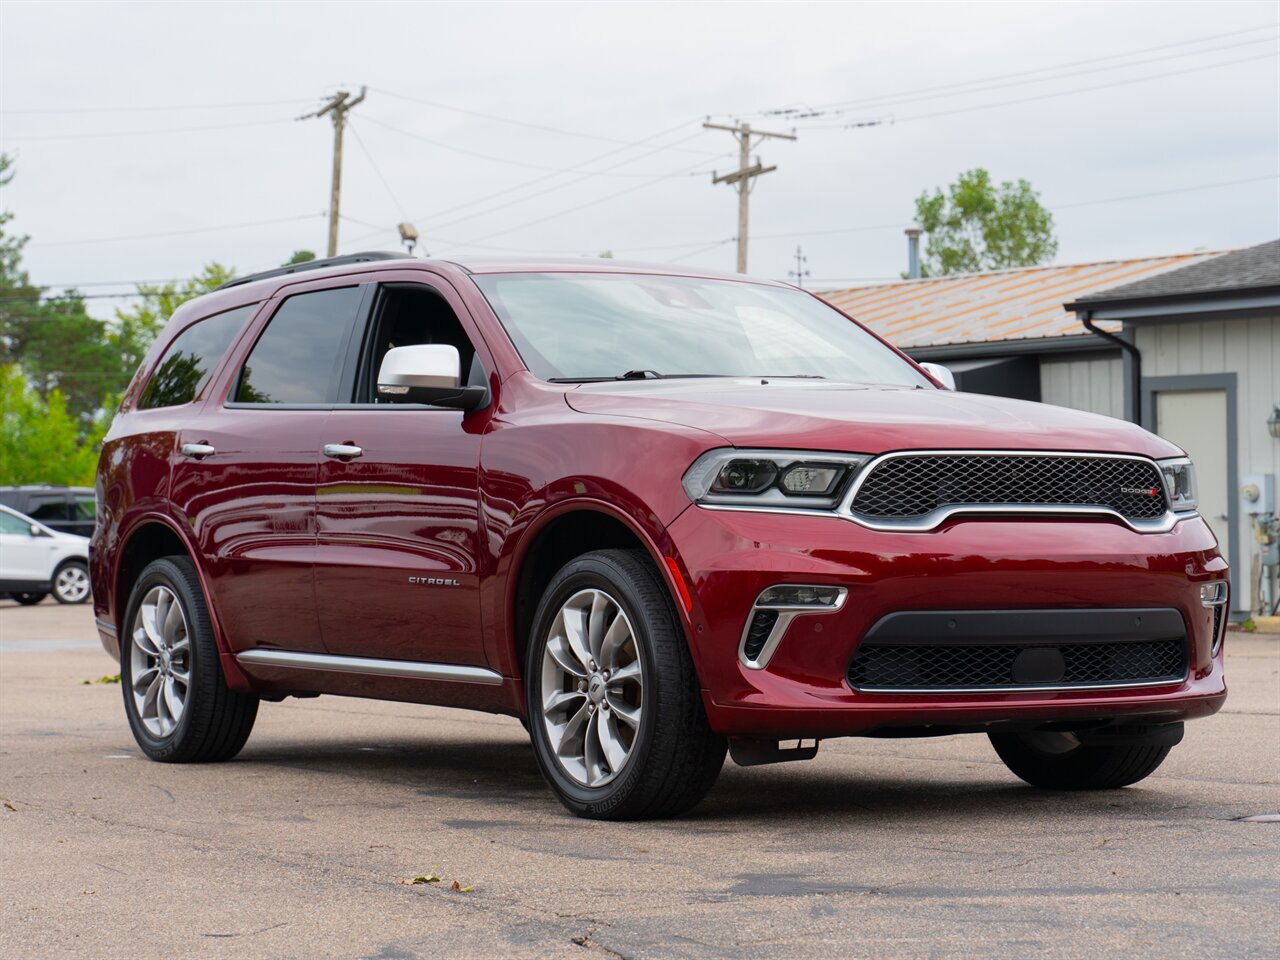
[342, 451]
[197, 451]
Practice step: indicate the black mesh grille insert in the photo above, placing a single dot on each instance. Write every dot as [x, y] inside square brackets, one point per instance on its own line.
[948, 666]
[762, 622]
[912, 486]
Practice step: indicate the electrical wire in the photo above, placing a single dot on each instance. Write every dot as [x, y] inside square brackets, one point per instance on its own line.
[376, 169]
[948, 87]
[176, 233]
[877, 103]
[167, 131]
[187, 106]
[523, 123]
[1064, 93]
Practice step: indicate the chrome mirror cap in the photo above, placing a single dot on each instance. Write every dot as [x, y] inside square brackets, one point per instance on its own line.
[941, 374]
[435, 365]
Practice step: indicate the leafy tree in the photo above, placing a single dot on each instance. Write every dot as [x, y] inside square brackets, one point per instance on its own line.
[138, 324]
[977, 226]
[40, 440]
[59, 345]
[300, 256]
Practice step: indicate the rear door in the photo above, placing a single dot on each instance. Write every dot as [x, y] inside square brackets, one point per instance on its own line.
[246, 472]
[398, 563]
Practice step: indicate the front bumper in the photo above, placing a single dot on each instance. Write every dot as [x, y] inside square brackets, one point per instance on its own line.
[969, 564]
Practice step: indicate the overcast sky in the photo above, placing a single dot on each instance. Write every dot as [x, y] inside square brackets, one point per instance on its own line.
[519, 93]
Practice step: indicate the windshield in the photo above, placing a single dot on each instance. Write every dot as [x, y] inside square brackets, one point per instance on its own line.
[591, 326]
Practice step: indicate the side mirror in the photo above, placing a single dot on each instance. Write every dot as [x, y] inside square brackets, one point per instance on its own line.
[429, 373]
[941, 374]
[37, 530]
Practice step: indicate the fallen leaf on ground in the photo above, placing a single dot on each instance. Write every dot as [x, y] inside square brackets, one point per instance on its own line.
[112, 678]
[412, 881]
[8, 805]
[460, 888]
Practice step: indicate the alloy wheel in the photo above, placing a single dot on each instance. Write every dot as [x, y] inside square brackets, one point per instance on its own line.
[592, 688]
[72, 584]
[160, 661]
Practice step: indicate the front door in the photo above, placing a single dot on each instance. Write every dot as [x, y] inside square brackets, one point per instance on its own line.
[398, 560]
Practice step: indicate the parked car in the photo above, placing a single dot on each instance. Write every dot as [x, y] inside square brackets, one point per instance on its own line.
[36, 561]
[64, 509]
[655, 513]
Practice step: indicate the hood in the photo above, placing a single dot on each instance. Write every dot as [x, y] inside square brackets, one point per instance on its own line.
[859, 418]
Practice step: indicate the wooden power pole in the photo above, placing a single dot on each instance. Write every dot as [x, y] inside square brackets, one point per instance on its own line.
[336, 108]
[746, 172]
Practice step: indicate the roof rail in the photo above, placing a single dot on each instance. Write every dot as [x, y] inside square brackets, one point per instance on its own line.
[317, 265]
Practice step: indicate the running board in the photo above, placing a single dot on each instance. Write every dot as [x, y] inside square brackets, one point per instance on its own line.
[407, 669]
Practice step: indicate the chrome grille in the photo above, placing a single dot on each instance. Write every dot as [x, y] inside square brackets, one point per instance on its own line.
[911, 486]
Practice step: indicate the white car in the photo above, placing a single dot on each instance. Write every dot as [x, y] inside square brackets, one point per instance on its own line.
[36, 561]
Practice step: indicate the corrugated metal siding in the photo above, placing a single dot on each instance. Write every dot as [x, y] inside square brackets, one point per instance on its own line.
[1095, 384]
[990, 307]
[1248, 348]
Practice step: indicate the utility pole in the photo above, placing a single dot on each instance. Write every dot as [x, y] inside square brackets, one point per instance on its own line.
[742, 177]
[800, 272]
[336, 108]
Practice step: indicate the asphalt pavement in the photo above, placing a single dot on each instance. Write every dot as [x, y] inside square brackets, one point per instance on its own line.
[302, 846]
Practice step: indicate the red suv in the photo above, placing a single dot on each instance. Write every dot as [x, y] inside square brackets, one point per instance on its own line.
[653, 513]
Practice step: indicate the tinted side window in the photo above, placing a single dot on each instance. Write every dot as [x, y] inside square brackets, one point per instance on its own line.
[191, 359]
[299, 356]
[46, 509]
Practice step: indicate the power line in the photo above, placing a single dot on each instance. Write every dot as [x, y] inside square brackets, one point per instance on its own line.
[1048, 69]
[184, 106]
[1064, 93]
[176, 233]
[507, 160]
[376, 169]
[523, 123]
[429, 217]
[166, 131]
[890, 101]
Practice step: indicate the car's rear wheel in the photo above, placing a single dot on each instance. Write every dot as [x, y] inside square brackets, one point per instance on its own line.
[71, 582]
[28, 599]
[615, 713]
[175, 696]
[1059, 761]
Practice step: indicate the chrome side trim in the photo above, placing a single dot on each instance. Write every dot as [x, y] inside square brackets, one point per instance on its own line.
[1045, 688]
[785, 616]
[106, 626]
[367, 666]
[931, 521]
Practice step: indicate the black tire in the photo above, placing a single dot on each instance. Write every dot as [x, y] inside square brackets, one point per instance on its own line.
[215, 721]
[28, 599]
[675, 757]
[1078, 768]
[68, 593]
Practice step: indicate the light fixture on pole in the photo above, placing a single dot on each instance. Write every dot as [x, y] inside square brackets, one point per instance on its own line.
[408, 236]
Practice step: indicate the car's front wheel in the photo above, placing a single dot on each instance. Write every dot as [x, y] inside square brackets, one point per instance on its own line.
[71, 582]
[615, 713]
[178, 704]
[28, 599]
[1059, 761]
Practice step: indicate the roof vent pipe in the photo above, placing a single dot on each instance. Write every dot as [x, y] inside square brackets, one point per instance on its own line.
[913, 253]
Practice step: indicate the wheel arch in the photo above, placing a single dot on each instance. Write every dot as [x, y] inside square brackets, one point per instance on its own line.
[150, 538]
[568, 530]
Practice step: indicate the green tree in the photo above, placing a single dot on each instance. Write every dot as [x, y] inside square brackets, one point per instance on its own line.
[40, 440]
[59, 345]
[300, 256]
[977, 226]
[137, 325]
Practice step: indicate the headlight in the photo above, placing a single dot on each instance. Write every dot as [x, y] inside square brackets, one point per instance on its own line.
[1180, 483]
[782, 479]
